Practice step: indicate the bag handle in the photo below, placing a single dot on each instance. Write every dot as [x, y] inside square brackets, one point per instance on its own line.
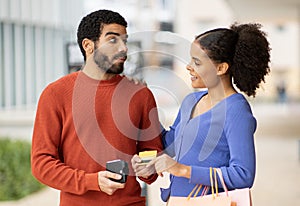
[214, 182]
[219, 171]
[213, 173]
[196, 190]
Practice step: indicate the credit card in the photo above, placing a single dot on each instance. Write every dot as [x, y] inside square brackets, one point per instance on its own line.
[147, 156]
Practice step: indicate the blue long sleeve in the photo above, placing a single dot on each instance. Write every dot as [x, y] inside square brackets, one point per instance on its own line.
[168, 137]
[239, 167]
[222, 137]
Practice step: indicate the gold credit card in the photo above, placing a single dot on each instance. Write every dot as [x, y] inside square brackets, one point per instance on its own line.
[147, 156]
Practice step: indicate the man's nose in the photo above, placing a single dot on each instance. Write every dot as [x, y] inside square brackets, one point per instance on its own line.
[123, 47]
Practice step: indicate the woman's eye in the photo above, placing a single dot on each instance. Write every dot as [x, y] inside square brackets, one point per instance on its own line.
[197, 63]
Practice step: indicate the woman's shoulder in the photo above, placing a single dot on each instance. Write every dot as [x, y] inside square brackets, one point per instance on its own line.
[237, 100]
[237, 105]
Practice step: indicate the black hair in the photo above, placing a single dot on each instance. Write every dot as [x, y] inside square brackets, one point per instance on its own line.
[91, 25]
[246, 50]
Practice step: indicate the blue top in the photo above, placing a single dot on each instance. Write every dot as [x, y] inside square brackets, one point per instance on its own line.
[221, 137]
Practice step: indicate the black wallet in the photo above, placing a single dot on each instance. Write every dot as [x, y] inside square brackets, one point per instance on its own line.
[119, 167]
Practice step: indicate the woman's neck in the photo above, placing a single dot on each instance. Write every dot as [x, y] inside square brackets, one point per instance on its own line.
[221, 91]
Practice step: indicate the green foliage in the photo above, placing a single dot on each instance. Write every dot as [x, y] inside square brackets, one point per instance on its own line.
[16, 180]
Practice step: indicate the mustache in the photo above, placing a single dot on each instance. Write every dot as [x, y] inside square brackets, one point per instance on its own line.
[120, 55]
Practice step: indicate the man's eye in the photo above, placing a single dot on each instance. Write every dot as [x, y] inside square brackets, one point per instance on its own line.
[113, 40]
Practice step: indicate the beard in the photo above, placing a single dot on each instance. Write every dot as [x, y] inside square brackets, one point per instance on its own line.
[107, 65]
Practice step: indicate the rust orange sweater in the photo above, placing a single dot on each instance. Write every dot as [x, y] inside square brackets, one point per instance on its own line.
[82, 123]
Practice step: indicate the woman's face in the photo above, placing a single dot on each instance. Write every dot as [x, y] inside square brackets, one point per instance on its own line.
[202, 70]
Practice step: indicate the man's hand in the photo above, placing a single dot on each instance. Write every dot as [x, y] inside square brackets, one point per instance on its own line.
[108, 186]
[141, 169]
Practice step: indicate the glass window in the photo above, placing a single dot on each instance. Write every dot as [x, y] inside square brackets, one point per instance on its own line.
[4, 9]
[39, 59]
[30, 82]
[8, 60]
[49, 55]
[1, 68]
[19, 65]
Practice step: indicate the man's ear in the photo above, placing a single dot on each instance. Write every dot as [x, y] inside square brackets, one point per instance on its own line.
[88, 46]
[222, 68]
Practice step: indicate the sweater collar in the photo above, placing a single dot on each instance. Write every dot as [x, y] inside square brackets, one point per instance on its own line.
[113, 81]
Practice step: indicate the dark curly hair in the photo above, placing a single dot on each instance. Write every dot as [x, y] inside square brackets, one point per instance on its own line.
[246, 50]
[91, 25]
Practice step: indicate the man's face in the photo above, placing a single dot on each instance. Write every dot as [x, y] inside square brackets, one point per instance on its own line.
[111, 50]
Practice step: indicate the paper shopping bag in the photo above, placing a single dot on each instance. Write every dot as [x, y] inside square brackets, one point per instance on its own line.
[237, 197]
[200, 201]
[240, 197]
[204, 200]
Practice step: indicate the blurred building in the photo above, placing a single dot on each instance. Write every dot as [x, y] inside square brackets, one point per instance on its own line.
[33, 38]
[38, 44]
[281, 21]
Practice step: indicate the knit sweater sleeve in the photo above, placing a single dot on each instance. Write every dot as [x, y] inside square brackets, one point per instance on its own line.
[239, 130]
[168, 137]
[150, 135]
[46, 164]
[240, 136]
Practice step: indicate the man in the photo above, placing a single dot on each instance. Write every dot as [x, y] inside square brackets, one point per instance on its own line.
[93, 116]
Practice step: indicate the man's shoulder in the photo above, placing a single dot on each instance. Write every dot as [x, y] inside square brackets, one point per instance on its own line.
[65, 80]
[136, 86]
[62, 84]
[137, 92]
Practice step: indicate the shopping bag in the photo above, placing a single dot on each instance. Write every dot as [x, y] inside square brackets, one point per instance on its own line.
[237, 197]
[215, 199]
[241, 197]
[200, 201]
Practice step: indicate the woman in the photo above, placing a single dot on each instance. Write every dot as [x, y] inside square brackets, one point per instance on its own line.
[215, 127]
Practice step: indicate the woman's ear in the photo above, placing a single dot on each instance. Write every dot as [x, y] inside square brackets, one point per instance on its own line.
[88, 46]
[222, 68]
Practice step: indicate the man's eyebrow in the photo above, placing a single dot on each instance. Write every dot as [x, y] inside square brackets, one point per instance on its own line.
[114, 33]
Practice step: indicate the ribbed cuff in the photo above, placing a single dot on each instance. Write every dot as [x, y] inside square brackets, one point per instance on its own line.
[150, 179]
[91, 181]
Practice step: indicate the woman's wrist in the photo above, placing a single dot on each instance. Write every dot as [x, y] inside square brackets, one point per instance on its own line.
[185, 171]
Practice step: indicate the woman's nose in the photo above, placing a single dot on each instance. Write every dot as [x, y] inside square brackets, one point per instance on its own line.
[189, 67]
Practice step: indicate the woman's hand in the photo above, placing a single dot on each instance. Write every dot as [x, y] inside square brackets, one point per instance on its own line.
[141, 169]
[165, 163]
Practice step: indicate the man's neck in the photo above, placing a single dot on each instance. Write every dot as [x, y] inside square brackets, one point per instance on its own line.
[94, 72]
